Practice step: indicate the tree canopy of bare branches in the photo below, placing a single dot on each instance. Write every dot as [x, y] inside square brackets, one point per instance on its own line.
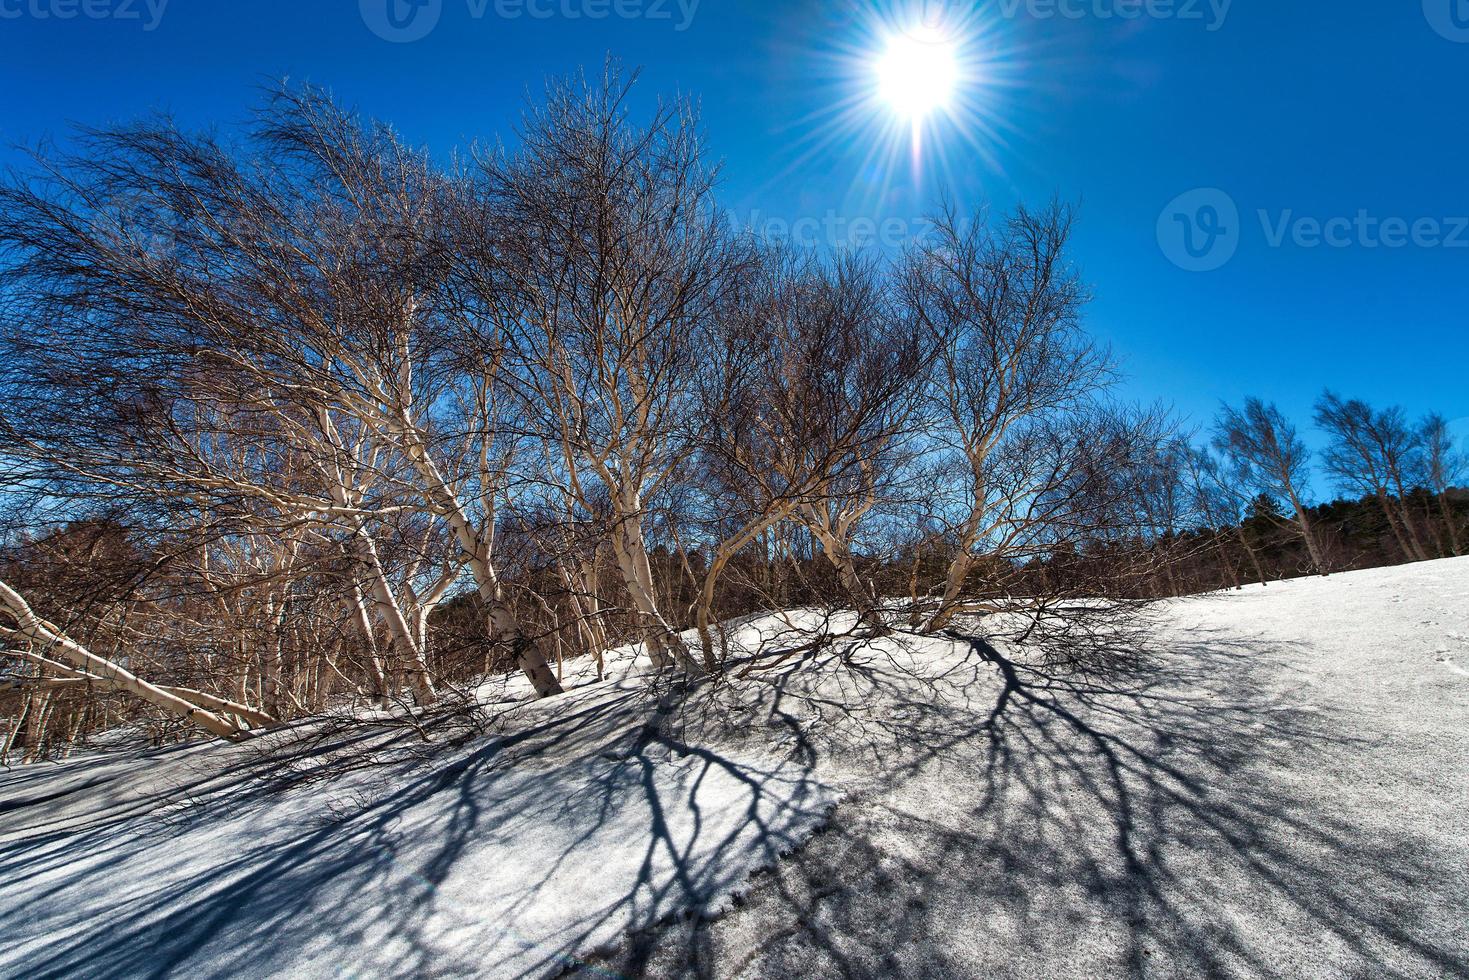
[298, 416]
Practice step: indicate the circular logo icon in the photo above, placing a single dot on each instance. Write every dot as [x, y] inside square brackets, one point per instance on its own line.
[1449, 17]
[401, 21]
[935, 16]
[1200, 231]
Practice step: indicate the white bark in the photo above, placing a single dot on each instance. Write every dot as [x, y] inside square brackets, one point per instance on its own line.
[502, 619]
[385, 600]
[35, 630]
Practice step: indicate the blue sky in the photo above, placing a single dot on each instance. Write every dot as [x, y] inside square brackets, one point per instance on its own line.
[1348, 114]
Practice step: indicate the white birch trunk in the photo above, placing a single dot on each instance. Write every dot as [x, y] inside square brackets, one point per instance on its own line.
[502, 619]
[35, 630]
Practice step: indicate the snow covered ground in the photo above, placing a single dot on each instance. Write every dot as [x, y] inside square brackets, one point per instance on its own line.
[365, 853]
[1280, 790]
[1285, 793]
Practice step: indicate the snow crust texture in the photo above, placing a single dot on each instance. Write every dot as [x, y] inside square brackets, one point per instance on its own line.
[1282, 791]
[362, 854]
[1277, 787]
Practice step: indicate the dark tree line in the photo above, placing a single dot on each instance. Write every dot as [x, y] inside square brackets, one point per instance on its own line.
[1240, 509]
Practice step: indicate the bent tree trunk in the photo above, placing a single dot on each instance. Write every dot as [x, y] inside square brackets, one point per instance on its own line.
[1308, 534]
[1393, 524]
[665, 646]
[631, 560]
[953, 589]
[1254, 556]
[835, 541]
[964, 558]
[853, 585]
[392, 616]
[527, 652]
[704, 605]
[1450, 523]
[1410, 525]
[503, 622]
[33, 630]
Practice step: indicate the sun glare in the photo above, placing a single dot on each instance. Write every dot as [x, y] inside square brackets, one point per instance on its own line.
[918, 72]
[912, 85]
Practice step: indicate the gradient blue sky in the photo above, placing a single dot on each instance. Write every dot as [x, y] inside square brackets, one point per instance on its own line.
[1313, 109]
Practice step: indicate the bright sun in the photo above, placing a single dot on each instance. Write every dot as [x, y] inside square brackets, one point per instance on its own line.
[918, 72]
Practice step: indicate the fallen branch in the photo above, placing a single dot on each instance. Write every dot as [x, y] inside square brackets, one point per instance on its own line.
[79, 661]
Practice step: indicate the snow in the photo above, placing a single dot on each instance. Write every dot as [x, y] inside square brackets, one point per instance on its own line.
[1279, 789]
[1282, 791]
[501, 857]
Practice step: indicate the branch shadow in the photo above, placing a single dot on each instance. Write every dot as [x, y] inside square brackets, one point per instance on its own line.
[500, 856]
[1175, 818]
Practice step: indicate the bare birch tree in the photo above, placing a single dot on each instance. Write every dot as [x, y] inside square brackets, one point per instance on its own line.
[1371, 453]
[297, 291]
[1224, 505]
[41, 643]
[1004, 306]
[599, 245]
[1265, 453]
[801, 391]
[1444, 467]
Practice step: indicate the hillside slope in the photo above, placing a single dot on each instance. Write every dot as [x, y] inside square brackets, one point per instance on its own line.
[1286, 793]
[1279, 790]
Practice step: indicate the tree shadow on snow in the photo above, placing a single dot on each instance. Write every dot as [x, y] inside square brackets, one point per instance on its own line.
[399, 869]
[1153, 822]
